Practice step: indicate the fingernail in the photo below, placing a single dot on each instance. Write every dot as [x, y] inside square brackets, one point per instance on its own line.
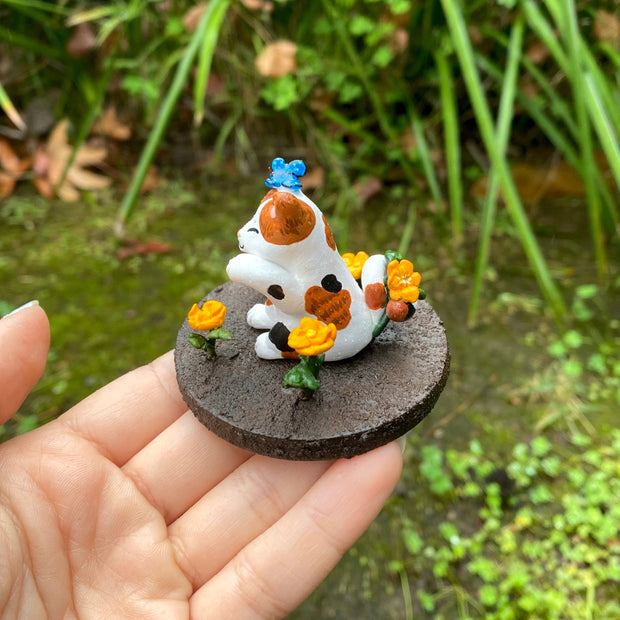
[34, 302]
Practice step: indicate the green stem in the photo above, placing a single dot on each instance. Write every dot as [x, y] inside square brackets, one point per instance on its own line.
[505, 114]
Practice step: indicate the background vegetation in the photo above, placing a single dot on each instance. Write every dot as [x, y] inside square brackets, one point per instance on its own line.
[480, 137]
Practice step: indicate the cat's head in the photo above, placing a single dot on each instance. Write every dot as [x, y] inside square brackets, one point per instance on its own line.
[283, 222]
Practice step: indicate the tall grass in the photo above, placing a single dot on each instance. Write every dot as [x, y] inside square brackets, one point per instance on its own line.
[431, 88]
[203, 42]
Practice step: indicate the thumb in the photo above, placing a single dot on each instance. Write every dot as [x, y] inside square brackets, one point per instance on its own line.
[24, 343]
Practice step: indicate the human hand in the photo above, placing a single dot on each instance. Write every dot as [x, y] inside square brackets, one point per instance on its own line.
[127, 507]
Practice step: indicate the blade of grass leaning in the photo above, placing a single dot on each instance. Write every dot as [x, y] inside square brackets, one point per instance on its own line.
[558, 106]
[537, 110]
[39, 5]
[465, 55]
[204, 62]
[16, 39]
[603, 86]
[426, 159]
[10, 110]
[504, 122]
[586, 147]
[452, 142]
[603, 126]
[167, 107]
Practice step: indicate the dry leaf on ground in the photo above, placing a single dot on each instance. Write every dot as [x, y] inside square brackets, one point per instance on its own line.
[535, 183]
[53, 159]
[11, 168]
[258, 5]
[314, 178]
[82, 41]
[277, 59]
[109, 125]
[607, 28]
[135, 247]
[193, 15]
[367, 187]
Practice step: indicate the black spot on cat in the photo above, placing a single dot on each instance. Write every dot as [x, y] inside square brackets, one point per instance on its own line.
[275, 290]
[278, 334]
[331, 284]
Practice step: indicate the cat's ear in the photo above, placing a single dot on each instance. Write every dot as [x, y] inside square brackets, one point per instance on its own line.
[284, 219]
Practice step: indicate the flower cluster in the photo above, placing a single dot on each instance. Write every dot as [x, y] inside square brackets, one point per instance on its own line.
[209, 318]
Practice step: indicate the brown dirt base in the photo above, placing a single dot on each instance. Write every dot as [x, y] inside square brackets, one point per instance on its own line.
[364, 402]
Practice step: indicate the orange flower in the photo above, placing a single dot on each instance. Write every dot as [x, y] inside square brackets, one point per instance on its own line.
[312, 337]
[355, 262]
[210, 316]
[403, 281]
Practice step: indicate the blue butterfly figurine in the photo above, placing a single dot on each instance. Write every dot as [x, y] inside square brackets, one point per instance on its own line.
[285, 175]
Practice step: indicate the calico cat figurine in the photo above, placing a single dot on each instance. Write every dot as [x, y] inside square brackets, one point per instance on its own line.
[289, 255]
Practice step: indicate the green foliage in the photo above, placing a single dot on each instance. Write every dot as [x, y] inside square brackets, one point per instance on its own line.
[544, 538]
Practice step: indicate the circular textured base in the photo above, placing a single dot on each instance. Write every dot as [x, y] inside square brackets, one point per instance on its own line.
[364, 402]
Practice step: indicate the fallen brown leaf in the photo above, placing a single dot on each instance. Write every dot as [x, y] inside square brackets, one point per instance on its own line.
[537, 52]
[135, 247]
[109, 125]
[11, 168]
[607, 28]
[193, 15]
[277, 59]
[78, 177]
[258, 5]
[314, 178]
[535, 183]
[367, 187]
[82, 41]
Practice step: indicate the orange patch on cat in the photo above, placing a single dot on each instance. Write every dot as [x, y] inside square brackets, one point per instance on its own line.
[329, 307]
[328, 235]
[284, 219]
[375, 295]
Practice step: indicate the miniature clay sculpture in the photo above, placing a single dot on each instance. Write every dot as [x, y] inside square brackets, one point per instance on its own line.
[312, 305]
[290, 256]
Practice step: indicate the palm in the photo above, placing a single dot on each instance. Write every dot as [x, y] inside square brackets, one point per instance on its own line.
[127, 507]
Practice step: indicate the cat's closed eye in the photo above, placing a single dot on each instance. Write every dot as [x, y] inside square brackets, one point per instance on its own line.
[253, 230]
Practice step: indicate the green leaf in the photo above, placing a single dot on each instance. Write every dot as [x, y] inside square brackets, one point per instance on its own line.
[281, 93]
[488, 595]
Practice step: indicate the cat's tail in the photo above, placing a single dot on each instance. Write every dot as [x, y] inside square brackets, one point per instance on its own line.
[374, 275]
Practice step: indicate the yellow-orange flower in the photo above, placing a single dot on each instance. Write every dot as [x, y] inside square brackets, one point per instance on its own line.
[355, 262]
[312, 337]
[403, 281]
[210, 316]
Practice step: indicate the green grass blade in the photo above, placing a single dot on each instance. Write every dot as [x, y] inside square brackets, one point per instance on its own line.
[578, 83]
[165, 112]
[504, 122]
[425, 158]
[465, 54]
[452, 142]
[10, 110]
[603, 126]
[204, 61]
